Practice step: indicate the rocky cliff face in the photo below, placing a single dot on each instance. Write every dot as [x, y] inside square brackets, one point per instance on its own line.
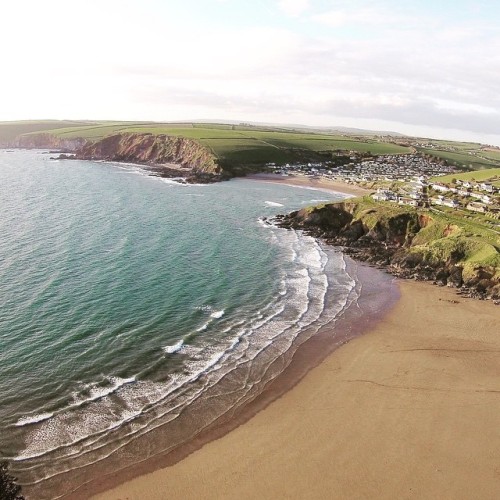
[406, 243]
[47, 141]
[166, 155]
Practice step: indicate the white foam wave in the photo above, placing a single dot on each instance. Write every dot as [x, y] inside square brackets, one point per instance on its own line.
[94, 391]
[273, 204]
[265, 223]
[179, 181]
[204, 308]
[217, 314]
[33, 419]
[170, 349]
[203, 327]
[298, 303]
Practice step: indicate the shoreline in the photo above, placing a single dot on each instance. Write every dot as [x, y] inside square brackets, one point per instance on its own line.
[319, 183]
[369, 309]
[179, 472]
[411, 409]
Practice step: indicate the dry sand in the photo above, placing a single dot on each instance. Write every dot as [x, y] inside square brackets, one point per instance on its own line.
[312, 182]
[410, 410]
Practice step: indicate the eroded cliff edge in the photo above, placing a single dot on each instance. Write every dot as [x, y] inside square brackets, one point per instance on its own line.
[163, 155]
[169, 156]
[407, 243]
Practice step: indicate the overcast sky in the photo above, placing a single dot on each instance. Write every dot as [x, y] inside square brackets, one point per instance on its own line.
[420, 67]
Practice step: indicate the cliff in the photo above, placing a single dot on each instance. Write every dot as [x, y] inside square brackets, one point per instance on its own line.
[407, 243]
[167, 156]
[46, 141]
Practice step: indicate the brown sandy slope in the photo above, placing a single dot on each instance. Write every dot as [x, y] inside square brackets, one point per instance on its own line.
[410, 410]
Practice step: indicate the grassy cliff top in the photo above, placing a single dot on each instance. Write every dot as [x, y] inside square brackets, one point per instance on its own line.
[240, 143]
[441, 233]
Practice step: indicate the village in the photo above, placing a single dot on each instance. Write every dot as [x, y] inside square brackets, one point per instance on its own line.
[408, 179]
[479, 197]
[359, 167]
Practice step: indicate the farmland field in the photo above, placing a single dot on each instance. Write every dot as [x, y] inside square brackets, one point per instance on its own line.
[246, 144]
[235, 144]
[491, 175]
[466, 158]
[221, 137]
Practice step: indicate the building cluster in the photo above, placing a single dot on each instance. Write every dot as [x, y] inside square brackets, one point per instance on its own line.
[361, 169]
[413, 193]
[414, 172]
[480, 197]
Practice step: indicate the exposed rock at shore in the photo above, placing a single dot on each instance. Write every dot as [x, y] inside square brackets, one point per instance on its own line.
[398, 242]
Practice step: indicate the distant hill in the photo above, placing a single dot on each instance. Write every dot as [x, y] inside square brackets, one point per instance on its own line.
[243, 146]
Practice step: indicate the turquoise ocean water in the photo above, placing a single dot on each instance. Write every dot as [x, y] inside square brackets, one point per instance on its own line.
[130, 304]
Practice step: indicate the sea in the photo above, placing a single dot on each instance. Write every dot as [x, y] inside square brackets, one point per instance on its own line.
[137, 312]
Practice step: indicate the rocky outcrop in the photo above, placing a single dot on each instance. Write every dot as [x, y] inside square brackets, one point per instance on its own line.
[399, 242]
[168, 156]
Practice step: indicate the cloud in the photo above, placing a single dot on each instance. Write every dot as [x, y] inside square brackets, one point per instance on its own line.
[377, 16]
[363, 60]
[294, 8]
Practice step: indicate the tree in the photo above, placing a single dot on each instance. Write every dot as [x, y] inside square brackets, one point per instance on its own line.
[9, 490]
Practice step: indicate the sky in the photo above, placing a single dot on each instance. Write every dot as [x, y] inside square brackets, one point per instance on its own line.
[429, 68]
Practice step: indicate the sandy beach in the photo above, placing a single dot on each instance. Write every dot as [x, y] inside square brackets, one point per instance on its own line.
[321, 183]
[409, 410]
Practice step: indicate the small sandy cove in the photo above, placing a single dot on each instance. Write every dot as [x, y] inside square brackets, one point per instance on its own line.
[321, 183]
[410, 410]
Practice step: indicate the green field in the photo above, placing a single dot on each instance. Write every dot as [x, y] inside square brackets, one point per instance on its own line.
[232, 144]
[491, 155]
[10, 130]
[223, 139]
[490, 175]
[466, 155]
[246, 145]
[467, 146]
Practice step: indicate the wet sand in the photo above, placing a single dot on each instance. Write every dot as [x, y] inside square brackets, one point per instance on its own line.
[321, 183]
[409, 410]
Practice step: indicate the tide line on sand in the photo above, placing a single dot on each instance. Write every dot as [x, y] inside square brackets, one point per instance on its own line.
[410, 410]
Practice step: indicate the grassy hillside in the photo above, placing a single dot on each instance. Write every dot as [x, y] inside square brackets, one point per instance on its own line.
[243, 144]
[465, 155]
[232, 144]
[10, 130]
[481, 243]
[490, 175]
[247, 145]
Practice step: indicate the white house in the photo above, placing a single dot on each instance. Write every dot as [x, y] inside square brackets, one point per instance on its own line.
[440, 187]
[474, 206]
[448, 202]
[486, 186]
